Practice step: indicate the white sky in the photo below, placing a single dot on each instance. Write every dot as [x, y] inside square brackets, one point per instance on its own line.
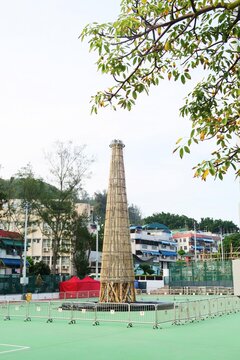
[47, 77]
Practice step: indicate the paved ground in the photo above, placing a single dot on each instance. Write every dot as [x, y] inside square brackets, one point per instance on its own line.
[211, 339]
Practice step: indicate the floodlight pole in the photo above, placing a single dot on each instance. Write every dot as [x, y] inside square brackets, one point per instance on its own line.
[221, 240]
[24, 279]
[97, 229]
[195, 242]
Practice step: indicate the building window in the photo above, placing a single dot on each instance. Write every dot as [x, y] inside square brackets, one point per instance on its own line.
[65, 260]
[185, 247]
[46, 259]
[37, 240]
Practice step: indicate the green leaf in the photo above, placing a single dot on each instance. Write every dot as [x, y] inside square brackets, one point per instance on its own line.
[181, 153]
[183, 80]
[179, 140]
[186, 148]
[134, 94]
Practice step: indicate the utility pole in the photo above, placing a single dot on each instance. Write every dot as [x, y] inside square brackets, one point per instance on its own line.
[221, 241]
[24, 278]
[195, 242]
[97, 230]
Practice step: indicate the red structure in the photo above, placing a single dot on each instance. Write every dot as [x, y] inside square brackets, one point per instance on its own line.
[76, 288]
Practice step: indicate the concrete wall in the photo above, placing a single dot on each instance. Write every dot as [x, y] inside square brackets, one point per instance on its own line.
[236, 276]
[18, 297]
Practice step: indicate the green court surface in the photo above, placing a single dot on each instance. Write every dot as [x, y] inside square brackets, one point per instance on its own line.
[211, 339]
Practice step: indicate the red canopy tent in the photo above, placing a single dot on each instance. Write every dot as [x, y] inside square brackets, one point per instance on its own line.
[89, 284]
[76, 288]
[70, 285]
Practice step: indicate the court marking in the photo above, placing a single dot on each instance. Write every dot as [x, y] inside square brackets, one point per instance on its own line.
[17, 348]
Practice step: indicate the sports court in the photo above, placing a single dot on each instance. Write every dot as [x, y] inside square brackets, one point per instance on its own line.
[212, 338]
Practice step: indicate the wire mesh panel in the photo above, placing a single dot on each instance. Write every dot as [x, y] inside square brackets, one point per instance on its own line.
[113, 312]
[82, 295]
[3, 309]
[202, 274]
[93, 295]
[39, 310]
[143, 313]
[228, 305]
[193, 310]
[213, 307]
[236, 303]
[84, 311]
[182, 312]
[17, 309]
[221, 305]
[166, 315]
[61, 310]
[203, 309]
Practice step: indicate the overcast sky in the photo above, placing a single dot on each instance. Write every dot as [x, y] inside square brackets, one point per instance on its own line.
[47, 79]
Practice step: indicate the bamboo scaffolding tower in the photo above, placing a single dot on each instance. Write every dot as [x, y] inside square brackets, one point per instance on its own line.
[117, 273]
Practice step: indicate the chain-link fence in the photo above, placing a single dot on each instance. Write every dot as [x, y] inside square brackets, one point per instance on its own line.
[201, 273]
[10, 284]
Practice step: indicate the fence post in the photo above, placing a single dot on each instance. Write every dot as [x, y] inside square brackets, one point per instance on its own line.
[27, 304]
[129, 316]
[49, 312]
[155, 326]
[7, 317]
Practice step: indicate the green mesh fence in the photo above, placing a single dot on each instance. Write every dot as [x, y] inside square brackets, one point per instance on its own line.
[10, 284]
[201, 273]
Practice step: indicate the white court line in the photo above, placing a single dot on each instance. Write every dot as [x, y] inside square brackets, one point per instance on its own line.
[18, 348]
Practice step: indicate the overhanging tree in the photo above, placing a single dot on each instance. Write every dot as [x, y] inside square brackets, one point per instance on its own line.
[152, 40]
[81, 245]
[56, 206]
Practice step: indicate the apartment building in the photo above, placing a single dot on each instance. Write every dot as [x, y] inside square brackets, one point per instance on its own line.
[11, 249]
[204, 242]
[39, 239]
[154, 244]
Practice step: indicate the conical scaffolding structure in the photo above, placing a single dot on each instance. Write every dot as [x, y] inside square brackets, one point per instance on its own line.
[117, 273]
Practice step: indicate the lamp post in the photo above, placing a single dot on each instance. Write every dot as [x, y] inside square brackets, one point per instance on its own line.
[97, 229]
[195, 242]
[24, 278]
[221, 242]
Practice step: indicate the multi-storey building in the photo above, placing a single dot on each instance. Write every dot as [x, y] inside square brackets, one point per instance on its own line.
[11, 249]
[39, 239]
[204, 242]
[154, 244]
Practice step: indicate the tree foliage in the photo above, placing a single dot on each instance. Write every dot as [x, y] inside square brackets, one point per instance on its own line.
[82, 244]
[152, 40]
[40, 268]
[68, 166]
[217, 226]
[135, 215]
[146, 269]
[99, 209]
[50, 205]
[175, 221]
[231, 243]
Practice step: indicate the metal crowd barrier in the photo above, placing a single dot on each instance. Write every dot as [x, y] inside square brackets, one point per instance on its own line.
[85, 295]
[194, 290]
[145, 313]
